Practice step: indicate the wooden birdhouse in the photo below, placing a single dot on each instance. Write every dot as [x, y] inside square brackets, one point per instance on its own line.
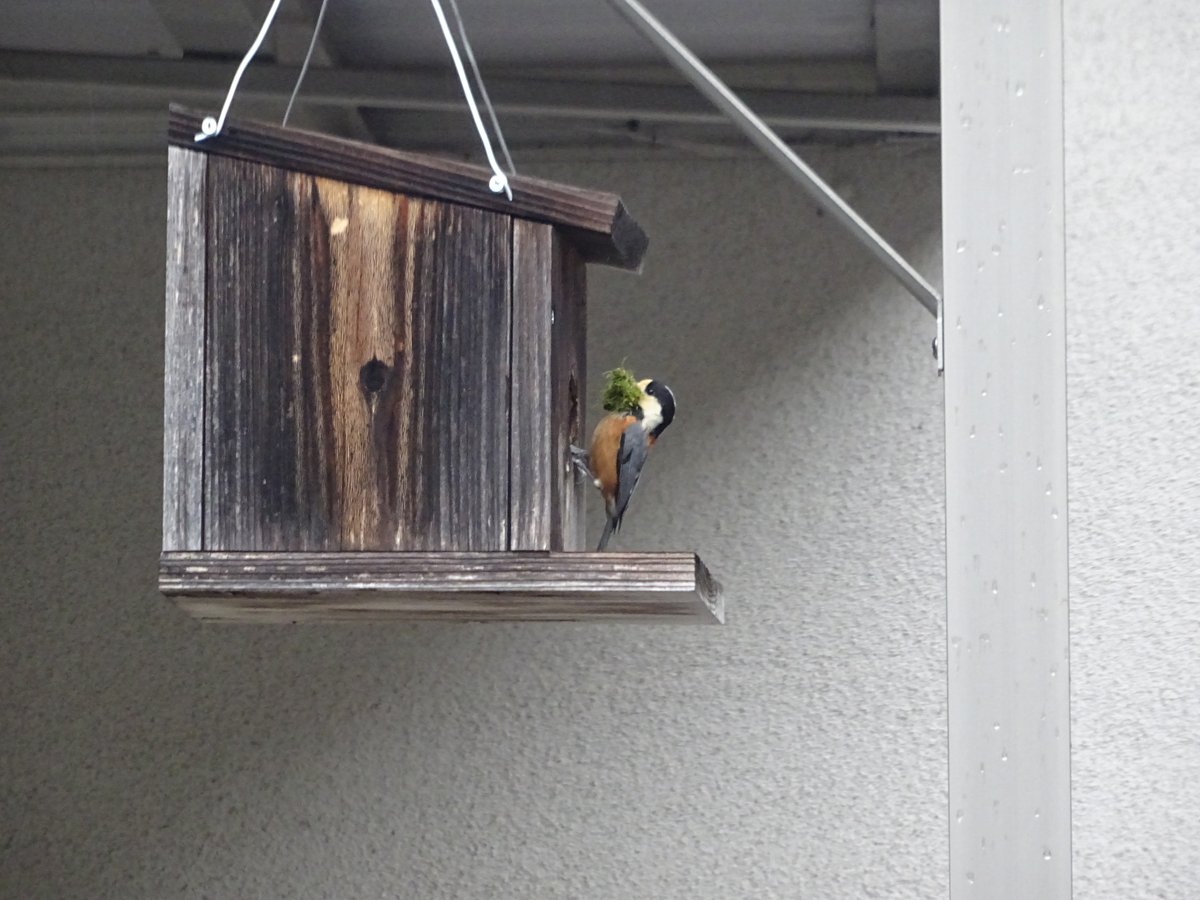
[375, 367]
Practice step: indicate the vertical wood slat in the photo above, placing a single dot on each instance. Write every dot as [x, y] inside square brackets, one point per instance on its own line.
[546, 496]
[531, 462]
[568, 396]
[244, 281]
[358, 357]
[365, 327]
[458, 263]
[183, 408]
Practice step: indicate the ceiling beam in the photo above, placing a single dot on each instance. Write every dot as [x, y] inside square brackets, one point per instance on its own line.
[204, 82]
[293, 33]
[214, 27]
[226, 28]
[906, 46]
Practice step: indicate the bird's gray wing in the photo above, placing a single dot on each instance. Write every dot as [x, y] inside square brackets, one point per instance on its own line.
[631, 456]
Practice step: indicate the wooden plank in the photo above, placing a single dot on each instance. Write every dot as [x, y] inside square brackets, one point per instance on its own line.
[532, 469]
[597, 223]
[183, 407]
[458, 264]
[358, 363]
[296, 587]
[245, 393]
[547, 499]
[568, 385]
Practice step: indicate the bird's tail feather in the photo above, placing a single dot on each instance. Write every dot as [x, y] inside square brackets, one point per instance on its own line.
[610, 527]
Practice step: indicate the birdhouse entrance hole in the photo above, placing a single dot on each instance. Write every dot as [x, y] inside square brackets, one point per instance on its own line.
[374, 373]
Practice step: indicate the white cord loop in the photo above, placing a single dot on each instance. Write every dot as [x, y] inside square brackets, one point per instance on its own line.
[211, 127]
[499, 181]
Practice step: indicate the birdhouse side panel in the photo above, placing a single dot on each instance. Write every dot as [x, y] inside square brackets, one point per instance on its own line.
[357, 360]
[183, 356]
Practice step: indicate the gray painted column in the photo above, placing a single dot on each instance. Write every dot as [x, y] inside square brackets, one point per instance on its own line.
[1006, 498]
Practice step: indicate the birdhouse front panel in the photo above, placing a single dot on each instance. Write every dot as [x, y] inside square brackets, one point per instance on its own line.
[369, 351]
[358, 356]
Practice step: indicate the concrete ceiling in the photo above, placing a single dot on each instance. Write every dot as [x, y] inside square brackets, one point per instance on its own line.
[566, 32]
[84, 78]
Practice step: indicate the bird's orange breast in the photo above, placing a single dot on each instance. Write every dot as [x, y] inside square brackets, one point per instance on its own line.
[606, 443]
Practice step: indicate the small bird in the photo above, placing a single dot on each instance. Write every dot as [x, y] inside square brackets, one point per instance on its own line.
[619, 447]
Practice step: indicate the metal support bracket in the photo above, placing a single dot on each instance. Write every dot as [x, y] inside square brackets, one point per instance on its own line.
[763, 137]
[939, 338]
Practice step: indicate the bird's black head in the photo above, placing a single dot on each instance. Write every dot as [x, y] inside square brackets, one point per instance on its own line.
[661, 395]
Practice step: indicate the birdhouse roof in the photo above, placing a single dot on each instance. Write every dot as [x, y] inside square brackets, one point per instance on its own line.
[597, 223]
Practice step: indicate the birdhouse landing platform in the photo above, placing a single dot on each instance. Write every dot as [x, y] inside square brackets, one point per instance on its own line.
[375, 368]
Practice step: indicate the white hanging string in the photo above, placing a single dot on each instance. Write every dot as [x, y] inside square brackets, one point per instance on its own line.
[307, 59]
[499, 181]
[487, 101]
[210, 126]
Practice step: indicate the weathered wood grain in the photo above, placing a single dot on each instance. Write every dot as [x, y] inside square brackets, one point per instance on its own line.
[597, 223]
[183, 407]
[358, 357]
[568, 397]
[532, 466]
[301, 587]
[546, 495]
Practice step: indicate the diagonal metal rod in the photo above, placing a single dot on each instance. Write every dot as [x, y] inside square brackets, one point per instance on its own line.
[773, 146]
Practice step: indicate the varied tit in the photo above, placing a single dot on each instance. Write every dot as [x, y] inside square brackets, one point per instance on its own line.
[619, 447]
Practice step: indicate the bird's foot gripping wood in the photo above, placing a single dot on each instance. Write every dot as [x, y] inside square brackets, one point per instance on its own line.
[581, 461]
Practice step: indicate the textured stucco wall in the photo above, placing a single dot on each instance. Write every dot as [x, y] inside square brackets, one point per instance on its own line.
[1133, 277]
[800, 751]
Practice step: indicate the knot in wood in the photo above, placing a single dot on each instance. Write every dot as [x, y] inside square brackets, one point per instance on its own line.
[373, 376]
